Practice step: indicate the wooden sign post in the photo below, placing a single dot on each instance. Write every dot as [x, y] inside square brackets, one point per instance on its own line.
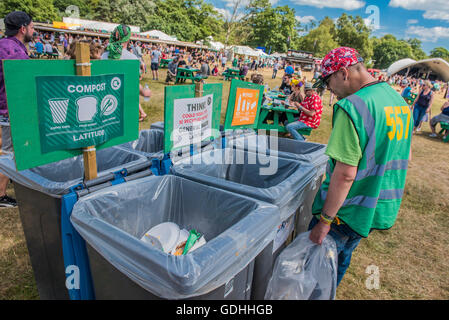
[82, 53]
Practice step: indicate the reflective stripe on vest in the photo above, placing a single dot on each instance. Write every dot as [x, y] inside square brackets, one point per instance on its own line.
[370, 202]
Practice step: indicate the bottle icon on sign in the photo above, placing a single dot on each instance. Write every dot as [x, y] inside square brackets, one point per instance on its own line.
[58, 108]
[86, 108]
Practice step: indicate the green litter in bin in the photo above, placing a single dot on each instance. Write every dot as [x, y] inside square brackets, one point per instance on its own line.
[193, 237]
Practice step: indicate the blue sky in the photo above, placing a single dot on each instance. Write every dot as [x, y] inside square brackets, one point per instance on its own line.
[422, 19]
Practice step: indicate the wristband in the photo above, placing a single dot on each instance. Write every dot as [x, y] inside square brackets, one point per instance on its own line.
[327, 218]
[326, 222]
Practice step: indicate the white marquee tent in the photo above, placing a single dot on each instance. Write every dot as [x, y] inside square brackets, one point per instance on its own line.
[158, 34]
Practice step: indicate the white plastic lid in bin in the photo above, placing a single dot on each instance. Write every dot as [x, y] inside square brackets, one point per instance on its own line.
[167, 233]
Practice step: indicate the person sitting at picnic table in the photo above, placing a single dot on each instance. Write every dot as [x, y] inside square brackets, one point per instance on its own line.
[311, 109]
[286, 86]
[215, 70]
[257, 78]
[204, 69]
[442, 117]
[39, 47]
[48, 49]
[296, 97]
[182, 64]
[406, 93]
[244, 70]
[171, 70]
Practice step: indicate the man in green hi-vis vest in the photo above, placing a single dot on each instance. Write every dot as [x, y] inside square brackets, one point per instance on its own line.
[369, 151]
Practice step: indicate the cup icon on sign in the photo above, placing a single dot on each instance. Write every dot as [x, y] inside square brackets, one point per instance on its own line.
[86, 108]
[58, 108]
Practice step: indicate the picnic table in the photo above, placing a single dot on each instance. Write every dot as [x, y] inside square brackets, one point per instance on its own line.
[276, 109]
[232, 74]
[165, 62]
[187, 73]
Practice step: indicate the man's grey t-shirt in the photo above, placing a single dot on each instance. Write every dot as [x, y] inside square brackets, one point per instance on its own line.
[204, 69]
[155, 56]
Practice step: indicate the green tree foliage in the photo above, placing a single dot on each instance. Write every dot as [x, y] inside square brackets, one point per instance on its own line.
[320, 40]
[39, 10]
[418, 52]
[187, 20]
[271, 26]
[353, 32]
[132, 12]
[389, 50]
[440, 52]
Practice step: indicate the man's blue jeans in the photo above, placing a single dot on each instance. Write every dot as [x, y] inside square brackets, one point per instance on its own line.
[346, 241]
[292, 127]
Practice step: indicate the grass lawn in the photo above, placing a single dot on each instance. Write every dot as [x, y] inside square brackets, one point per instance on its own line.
[410, 256]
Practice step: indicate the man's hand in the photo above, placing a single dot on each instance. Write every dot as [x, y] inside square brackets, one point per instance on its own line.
[319, 232]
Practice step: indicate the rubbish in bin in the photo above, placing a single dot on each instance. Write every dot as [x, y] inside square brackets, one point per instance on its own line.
[167, 233]
[169, 238]
[179, 248]
[193, 237]
[153, 241]
[305, 271]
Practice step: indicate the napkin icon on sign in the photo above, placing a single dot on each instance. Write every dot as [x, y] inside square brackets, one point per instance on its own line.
[86, 108]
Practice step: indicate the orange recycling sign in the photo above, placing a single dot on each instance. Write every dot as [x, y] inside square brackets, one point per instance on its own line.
[245, 109]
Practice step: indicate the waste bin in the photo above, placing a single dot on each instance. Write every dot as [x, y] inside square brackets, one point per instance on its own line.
[150, 143]
[297, 150]
[39, 191]
[278, 181]
[113, 220]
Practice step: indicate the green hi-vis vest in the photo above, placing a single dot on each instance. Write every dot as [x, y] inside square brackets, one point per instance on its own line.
[383, 122]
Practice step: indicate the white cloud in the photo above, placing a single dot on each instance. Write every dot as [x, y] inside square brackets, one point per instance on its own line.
[340, 4]
[305, 19]
[435, 9]
[412, 21]
[428, 34]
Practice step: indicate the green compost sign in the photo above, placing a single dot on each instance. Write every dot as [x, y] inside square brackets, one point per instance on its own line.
[77, 112]
[54, 113]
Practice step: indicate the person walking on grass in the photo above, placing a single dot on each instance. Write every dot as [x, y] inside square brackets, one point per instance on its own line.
[422, 105]
[368, 154]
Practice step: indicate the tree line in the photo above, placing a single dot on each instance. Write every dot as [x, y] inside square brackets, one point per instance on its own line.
[256, 23]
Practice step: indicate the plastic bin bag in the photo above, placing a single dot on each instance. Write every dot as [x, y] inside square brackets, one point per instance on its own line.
[58, 177]
[305, 271]
[114, 219]
[149, 144]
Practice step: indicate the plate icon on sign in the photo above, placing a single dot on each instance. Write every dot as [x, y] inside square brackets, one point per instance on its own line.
[116, 83]
[108, 105]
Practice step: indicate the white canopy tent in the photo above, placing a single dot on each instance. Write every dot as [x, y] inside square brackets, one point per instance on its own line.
[158, 34]
[246, 51]
[424, 68]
